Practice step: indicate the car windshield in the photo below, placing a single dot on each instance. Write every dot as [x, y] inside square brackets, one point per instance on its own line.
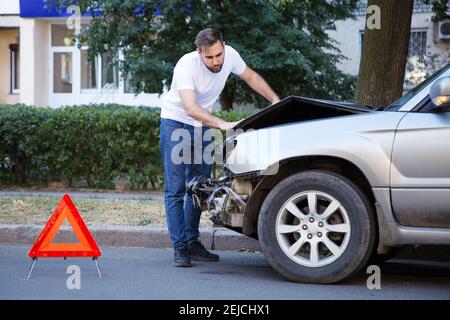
[411, 93]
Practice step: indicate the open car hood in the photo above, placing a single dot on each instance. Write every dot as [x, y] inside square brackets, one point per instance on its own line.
[296, 109]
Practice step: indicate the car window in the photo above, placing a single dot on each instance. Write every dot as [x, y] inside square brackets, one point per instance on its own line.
[428, 107]
[411, 93]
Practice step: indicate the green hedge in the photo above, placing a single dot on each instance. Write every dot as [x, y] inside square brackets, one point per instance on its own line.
[91, 146]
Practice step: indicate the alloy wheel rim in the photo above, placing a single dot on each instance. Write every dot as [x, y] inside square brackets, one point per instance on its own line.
[313, 228]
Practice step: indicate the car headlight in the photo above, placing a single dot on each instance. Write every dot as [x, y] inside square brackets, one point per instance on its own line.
[228, 146]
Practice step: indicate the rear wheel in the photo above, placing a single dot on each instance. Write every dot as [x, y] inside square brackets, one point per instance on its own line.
[316, 227]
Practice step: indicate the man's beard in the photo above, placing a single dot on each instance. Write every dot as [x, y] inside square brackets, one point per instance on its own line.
[215, 70]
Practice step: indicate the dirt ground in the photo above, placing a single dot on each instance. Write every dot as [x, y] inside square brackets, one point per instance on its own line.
[37, 210]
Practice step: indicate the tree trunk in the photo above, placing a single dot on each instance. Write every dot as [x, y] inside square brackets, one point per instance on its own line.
[226, 99]
[385, 51]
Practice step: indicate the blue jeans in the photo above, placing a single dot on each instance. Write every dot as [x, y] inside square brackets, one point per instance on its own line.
[182, 216]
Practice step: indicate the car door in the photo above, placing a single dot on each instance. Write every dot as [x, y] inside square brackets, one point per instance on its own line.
[420, 171]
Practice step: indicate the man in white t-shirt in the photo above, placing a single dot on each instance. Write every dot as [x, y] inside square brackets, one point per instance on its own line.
[198, 80]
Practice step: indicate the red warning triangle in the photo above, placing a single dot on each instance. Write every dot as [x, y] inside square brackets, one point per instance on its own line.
[43, 247]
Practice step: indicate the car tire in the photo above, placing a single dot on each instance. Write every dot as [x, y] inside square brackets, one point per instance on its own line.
[342, 249]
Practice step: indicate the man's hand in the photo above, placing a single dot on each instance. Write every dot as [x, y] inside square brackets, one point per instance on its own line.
[229, 125]
[275, 100]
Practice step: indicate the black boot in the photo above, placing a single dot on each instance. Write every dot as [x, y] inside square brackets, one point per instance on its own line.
[197, 252]
[181, 258]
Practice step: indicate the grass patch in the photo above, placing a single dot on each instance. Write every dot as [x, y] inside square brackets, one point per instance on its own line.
[37, 210]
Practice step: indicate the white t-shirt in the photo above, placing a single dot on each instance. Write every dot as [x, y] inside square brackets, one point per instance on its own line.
[191, 73]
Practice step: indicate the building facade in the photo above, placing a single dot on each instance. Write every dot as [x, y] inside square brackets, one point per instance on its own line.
[427, 52]
[41, 65]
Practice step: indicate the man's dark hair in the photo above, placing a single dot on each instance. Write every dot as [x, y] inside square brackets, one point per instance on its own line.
[207, 37]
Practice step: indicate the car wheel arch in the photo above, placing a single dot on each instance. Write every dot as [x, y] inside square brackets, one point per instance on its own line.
[298, 164]
[296, 241]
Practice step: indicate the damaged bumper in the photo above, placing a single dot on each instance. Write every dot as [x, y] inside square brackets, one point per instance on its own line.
[252, 153]
[224, 198]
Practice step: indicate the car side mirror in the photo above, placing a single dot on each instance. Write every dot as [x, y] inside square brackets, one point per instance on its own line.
[440, 94]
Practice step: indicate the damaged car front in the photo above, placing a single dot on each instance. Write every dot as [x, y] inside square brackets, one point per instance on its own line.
[252, 153]
[327, 187]
[290, 137]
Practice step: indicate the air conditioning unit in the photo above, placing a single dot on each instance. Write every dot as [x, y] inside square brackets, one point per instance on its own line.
[444, 30]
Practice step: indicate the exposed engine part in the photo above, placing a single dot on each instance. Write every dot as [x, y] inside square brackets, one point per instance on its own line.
[241, 186]
[218, 196]
[247, 175]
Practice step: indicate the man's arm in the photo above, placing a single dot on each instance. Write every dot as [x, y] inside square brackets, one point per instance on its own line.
[257, 83]
[189, 101]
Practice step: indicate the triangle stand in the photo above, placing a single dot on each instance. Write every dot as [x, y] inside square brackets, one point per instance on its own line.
[43, 247]
[98, 269]
[31, 268]
[36, 259]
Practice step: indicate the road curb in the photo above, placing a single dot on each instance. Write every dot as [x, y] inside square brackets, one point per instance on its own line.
[130, 236]
[158, 237]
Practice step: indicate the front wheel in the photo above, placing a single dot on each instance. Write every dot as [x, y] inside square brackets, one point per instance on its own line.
[316, 227]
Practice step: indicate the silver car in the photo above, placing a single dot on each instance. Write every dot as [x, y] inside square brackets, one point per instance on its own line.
[341, 185]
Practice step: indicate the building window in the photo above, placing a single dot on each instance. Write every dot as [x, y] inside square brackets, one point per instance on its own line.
[416, 63]
[127, 84]
[62, 36]
[419, 7]
[73, 72]
[14, 54]
[361, 43]
[89, 72]
[110, 71]
[62, 72]
[418, 45]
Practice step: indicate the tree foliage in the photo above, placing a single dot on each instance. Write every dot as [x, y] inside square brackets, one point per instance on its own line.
[83, 146]
[440, 8]
[286, 41]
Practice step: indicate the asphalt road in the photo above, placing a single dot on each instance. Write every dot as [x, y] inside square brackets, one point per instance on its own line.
[142, 273]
